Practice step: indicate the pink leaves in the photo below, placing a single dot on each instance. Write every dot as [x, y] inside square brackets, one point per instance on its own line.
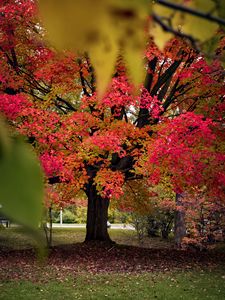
[107, 141]
[52, 163]
[188, 130]
[183, 150]
[120, 93]
[14, 15]
[60, 70]
[13, 105]
[41, 124]
[151, 103]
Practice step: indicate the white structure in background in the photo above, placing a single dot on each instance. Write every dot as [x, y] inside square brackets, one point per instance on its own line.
[61, 216]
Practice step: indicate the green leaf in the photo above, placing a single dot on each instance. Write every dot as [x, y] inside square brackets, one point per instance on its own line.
[21, 185]
[4, 139]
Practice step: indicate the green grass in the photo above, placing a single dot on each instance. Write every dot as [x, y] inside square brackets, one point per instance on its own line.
[16, 238]
[183, 285]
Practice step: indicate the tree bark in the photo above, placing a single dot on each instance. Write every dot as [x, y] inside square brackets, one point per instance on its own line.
[97, 216]
[179, 224]
[50, 225]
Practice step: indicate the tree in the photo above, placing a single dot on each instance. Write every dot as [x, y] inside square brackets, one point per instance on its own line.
[97, 143]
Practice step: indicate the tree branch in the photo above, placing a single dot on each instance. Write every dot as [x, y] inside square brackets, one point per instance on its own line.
[167, 28]
[69, 105]
[82, 79]
[191, 11]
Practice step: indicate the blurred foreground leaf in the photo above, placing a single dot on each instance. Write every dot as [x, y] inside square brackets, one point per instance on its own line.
[102, 28]
[21, 184]
[4, 140]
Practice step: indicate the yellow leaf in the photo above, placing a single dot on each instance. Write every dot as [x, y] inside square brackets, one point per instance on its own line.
[72, 24]
[135, 65]
[188, 24]
[100, 27]
[103, 57]
[200, 28]
[161, 37]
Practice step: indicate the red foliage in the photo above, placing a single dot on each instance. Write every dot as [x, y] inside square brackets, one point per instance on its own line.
[13, 105]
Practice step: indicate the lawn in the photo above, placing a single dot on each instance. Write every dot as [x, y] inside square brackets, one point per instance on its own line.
[15, 238]
[180, 285]
[74, 270]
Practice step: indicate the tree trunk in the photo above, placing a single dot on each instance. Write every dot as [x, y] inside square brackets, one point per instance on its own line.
[48, 229]
[153, 227]
[50, 225]
[179, 224]
[97, 216]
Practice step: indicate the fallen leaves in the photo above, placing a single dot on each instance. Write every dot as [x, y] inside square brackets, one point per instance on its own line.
[71, 260]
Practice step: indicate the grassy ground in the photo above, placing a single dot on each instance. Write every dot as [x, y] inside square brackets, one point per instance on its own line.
[16, 238]
[187, 285]
[77, 271]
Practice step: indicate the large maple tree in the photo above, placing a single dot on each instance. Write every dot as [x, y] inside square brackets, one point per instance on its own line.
[172, 129]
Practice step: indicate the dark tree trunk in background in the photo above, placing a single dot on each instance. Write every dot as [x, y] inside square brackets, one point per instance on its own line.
[153, 227]
[97, 216]
[48, 229]
[179, 224]
[50, 225]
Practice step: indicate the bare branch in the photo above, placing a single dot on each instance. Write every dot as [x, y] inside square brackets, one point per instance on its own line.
[191, 11]
[167, 28]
